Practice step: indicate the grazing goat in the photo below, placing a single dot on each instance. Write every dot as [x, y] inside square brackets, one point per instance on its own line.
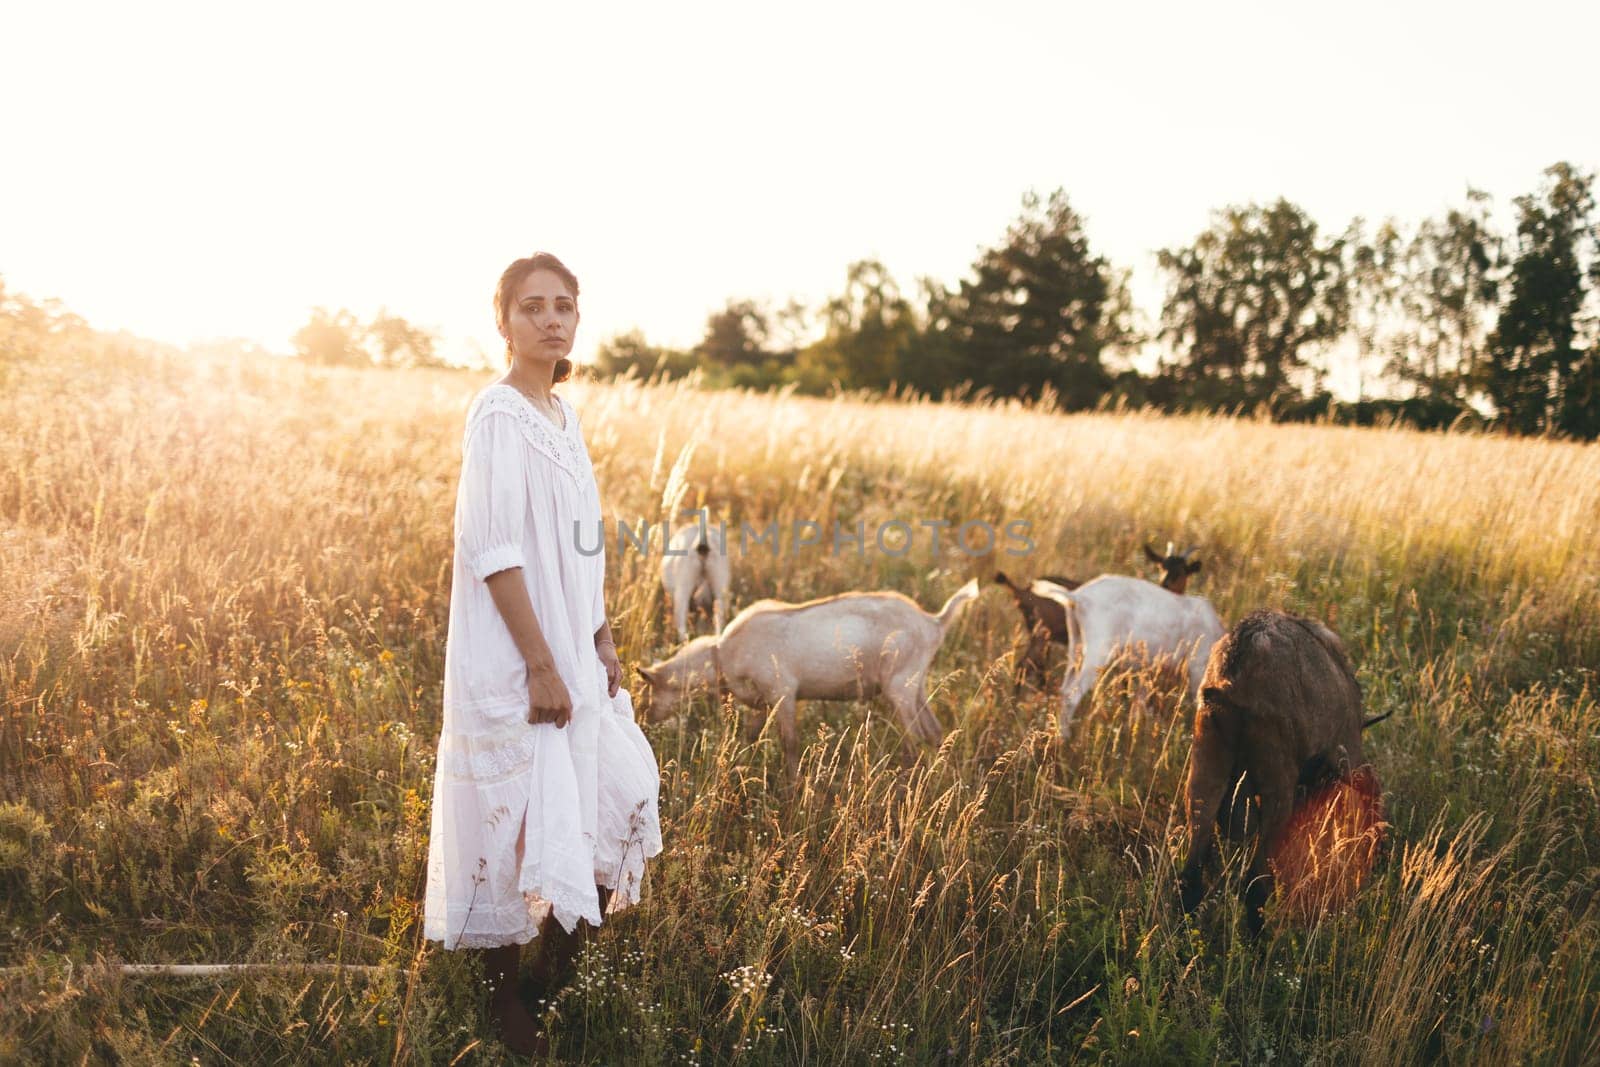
[695, 574]
[1045, 621]
[845, 647]
[1176, 567]
[1280, 711]
[1115, 616]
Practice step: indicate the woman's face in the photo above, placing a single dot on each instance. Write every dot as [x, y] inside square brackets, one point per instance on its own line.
[543, 318]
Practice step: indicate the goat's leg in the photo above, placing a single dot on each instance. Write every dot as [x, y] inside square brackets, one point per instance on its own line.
[1210, 779]
[909, 699]
[1143, 692]
[931, 731]
[1076, 685]
[789, 735]
[1277, 804]
[755, 719]
[680, 611]
[719, 610]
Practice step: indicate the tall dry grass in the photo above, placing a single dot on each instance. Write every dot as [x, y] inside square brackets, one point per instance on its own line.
[222, 599]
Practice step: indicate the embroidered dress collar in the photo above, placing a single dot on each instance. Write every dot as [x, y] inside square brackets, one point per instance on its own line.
[561, 405]
[564, 448]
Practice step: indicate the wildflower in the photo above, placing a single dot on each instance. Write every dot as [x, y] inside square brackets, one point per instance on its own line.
[747, 980]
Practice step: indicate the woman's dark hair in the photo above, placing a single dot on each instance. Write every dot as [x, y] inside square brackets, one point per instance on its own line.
[508, 286]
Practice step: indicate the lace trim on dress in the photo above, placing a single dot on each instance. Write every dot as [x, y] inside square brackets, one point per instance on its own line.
[570, 898]
[463, 926]
[562, 449]
[484, 940]
[487, 758]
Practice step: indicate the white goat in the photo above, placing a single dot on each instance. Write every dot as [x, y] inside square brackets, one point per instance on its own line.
[1115, 616]
[695, 573]
[846, 647]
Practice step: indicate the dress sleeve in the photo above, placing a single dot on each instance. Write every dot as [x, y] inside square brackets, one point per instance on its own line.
[493, 504]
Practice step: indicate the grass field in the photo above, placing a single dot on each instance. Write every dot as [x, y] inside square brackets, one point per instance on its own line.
[223, 593]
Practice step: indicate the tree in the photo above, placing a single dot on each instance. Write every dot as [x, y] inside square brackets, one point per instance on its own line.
[630, 352]
[1372, 275]
[397, 343]
[1448, 290]
[742, 347]
[28, 328]
[1247, 300]
[736, 335]
[869, 327]
[1035, 313]
[332, 338]
[1536, 374]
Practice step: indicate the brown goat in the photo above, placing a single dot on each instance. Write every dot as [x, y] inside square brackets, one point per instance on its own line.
[1280, 713]
[1176, 567]
[1045, 620]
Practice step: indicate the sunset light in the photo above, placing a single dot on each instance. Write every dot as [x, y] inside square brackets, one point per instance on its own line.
[748, 534]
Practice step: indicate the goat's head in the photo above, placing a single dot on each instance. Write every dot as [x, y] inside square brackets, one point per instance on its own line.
[663, 693]
[673, 682]
[1176, 567]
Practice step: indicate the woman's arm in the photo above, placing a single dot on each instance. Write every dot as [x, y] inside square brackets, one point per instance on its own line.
[548, 699]
[606, 648]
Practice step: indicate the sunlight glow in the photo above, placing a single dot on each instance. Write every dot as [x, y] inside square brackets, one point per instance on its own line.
[189, 171]
[1328, 850]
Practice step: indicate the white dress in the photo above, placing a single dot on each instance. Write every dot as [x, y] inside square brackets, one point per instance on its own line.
[581, 798]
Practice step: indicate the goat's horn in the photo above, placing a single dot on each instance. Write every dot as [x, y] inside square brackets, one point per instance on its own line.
[1192, 550]
[1169, 548]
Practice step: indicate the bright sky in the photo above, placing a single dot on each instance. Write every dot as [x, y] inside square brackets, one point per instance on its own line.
[188, 171]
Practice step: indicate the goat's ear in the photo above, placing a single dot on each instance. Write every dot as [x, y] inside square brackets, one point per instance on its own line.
[645, 675]
[1194, 567]
[1151, 555]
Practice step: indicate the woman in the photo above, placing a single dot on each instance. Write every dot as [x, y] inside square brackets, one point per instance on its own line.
[544, 797]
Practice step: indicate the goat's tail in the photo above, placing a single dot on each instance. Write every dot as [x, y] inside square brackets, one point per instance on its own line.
[958, 600]
[1375, 720]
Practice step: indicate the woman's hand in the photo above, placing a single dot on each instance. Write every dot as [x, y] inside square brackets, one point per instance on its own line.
[608, 656]
[548, 700]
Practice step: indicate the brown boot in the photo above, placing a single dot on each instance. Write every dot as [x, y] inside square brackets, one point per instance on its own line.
[556, 951]
[518, 1030]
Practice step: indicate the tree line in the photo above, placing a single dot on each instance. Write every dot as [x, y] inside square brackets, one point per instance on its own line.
[1444, 321]
[337, 338]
